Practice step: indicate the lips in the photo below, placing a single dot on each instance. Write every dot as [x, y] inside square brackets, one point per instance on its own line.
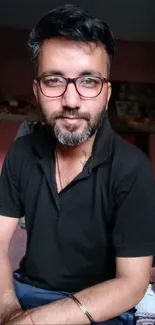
[72, 118]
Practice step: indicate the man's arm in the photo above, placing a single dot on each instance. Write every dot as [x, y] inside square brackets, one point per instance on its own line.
[10, 211]
[103, 301]
[8, 300]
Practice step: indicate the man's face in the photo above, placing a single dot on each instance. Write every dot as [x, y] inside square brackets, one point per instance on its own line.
[73, 118]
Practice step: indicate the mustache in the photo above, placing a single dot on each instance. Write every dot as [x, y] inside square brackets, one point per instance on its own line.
[72, 114]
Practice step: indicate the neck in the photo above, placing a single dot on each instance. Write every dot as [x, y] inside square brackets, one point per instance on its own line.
[80, 151]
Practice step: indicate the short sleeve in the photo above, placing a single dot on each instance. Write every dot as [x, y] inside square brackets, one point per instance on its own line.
[134, 227]
[10, 204]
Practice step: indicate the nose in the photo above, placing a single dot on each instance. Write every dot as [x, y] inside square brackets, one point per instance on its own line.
[71, 99]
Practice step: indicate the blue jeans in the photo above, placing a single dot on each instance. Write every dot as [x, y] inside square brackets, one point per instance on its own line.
[31, 297]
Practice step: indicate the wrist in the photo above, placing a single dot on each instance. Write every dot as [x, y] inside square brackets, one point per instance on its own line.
[83, 309]
[9, 314]
[9, 301]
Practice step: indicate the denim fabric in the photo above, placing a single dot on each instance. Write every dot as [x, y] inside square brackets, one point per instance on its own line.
[31, 297]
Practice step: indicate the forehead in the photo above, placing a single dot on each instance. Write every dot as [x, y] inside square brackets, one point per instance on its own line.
[72, 58]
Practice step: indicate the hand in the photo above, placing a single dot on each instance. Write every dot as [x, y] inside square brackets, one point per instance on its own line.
[15, 317]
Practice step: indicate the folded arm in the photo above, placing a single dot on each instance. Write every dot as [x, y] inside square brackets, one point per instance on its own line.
[104, 301]
[8, 300]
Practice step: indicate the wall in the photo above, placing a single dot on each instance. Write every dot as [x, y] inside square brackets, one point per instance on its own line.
[134, 61]
[7, 134]
[15, 66]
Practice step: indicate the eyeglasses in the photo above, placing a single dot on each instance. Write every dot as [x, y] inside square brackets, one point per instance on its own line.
[53, 86]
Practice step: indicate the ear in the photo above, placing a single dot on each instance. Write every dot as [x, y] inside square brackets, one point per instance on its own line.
[35, 89]
[109, 91]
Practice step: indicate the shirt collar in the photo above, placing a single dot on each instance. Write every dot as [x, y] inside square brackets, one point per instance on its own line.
[102, 148]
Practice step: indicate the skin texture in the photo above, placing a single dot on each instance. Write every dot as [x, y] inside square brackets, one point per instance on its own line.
[71, 60]
[111, 298]
[61, 56]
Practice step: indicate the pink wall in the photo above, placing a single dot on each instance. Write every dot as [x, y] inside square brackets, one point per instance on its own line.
[134, 61]
[8, 131]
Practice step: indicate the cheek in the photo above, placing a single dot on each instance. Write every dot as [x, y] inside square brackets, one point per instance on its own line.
[96, 105]
[103, 98]
[101, 102]
[49, 105]
[40, 98]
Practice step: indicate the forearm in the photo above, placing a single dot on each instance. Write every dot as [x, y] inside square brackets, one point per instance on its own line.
[103, 301]
[8, 300]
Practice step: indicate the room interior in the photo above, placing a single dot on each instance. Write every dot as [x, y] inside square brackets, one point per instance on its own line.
[134, 64]
[133, 25]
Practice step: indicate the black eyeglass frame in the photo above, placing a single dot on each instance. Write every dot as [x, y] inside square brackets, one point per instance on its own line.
[73, 81]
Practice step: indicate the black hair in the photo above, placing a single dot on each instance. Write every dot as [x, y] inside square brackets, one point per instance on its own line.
[71, 22]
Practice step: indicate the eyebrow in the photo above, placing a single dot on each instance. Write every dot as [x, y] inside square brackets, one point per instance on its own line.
[52, 72]
[60, 73]
[90, 73]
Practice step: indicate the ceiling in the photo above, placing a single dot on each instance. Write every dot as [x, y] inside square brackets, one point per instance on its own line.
[129, 19]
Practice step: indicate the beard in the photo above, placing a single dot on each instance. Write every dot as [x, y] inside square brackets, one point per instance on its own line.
[72, 137]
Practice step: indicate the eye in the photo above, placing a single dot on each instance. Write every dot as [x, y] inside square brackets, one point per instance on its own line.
[53, 81]
[89, 81]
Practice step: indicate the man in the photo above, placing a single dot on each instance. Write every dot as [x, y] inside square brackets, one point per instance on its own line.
[88, 197]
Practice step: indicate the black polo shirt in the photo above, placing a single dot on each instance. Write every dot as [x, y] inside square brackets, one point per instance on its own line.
[107, 211]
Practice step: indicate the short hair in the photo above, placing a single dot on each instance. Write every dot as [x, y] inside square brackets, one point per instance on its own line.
[70, 22]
